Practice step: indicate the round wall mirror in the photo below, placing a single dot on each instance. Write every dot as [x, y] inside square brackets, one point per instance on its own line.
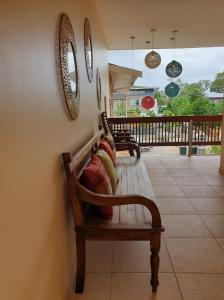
[98, 88]
[88, 48]
[72, 69]
[68, 66]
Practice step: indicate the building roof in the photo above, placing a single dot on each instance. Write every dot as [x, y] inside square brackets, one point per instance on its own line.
[123, 78]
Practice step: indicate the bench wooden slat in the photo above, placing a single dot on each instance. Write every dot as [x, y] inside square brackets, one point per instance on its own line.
[131, 212]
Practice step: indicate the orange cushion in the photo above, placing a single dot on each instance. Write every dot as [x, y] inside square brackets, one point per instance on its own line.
[104, 145]
[95, 178]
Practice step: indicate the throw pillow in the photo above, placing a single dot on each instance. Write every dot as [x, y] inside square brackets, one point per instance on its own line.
[96, 179]
[106, 147]
[107, 162]
[110, 140]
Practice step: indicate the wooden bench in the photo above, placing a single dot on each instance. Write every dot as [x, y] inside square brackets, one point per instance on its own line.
[135, 215]
[122, 138]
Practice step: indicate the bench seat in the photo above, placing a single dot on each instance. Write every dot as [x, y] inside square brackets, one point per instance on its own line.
[133, 179]
[135, 214]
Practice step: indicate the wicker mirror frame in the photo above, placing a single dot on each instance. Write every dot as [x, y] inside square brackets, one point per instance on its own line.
[67, 39]
[98, 88]
[88, 46]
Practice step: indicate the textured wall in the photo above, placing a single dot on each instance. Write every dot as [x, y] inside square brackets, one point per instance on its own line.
[37, 240]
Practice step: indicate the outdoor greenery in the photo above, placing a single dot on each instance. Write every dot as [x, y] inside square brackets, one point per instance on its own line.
[191, 100]
[218, 84]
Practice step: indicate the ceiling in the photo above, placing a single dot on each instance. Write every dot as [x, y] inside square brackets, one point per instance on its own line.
[199, 22]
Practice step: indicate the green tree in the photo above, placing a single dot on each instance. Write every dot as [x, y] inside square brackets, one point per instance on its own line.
[162, 100]
[120, 109]
[192, 100]
[217, 85]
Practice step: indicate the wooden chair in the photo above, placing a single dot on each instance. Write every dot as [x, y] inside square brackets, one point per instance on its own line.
[143, 223]
[122, 138]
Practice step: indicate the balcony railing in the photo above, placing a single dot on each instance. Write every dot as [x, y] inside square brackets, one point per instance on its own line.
[172, 131]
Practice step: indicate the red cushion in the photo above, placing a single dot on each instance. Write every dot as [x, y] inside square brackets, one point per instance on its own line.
[106, 147]
[95, 178]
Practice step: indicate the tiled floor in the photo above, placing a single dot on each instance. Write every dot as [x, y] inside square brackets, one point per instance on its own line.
[190, 196]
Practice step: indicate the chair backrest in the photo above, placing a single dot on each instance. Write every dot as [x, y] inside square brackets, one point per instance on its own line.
[105, 124]
[74, 165]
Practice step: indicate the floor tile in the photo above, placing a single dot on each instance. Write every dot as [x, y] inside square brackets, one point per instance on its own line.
[99, 256]
[219, 190]
[162, 180]
[97, 287]
[175, 164]
[214, 179]
[208, 205]
[152, 162]
[207, 171]
[184, 226]
[215, 223]
[157, 172]
[187, 180]
[167, 191]
[199, 191]
[174, 206]
[182, 172]
[136, 286]
[195, 255]
[201, 286]
[134, 256]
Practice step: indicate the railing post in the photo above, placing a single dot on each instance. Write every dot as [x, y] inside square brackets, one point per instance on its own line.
[190, 137]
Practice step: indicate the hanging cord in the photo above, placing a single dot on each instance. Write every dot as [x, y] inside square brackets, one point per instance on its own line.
[174, 42]
[132, 59]
[173, 53]
[148, 42]
[132, 51]
[152, 31]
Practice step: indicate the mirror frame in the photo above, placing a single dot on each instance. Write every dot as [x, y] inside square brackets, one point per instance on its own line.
[87, 36]
[67, 38]
[98, 88]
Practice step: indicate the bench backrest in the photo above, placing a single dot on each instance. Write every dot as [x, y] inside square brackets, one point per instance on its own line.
[74, 165]
[105, 124]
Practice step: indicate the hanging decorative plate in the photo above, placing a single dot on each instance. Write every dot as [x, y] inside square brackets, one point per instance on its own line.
[98, 88]
[68, 67]
[173, 69]
[172, 90]
[148, 102]
[88, 48]
[152, 60]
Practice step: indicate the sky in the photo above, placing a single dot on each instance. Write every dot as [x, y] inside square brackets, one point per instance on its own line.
[198, 64]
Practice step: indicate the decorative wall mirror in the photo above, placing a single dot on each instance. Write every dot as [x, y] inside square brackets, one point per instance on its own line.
[88, 48]
[68, 66]
[98, 88]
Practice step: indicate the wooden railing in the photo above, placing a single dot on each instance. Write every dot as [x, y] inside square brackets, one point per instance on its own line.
[177, 130]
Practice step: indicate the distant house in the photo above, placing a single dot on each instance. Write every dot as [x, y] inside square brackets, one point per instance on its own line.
[215, 97]
[129, 103]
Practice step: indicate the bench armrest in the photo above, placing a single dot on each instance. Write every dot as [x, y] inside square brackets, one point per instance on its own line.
[107, 200]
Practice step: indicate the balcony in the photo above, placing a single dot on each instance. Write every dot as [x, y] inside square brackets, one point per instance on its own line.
[172, 131]
[190, 198]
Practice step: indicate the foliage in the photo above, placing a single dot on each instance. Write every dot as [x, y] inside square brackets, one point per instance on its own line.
[150, 113]
[217, 85]
[120, 109]
[216, 149]
[190, 101]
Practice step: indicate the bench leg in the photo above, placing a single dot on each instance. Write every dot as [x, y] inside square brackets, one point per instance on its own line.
[138, 152]
[154, 260]
[81, 262]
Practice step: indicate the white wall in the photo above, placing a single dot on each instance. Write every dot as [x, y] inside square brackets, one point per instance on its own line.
[37, 240]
